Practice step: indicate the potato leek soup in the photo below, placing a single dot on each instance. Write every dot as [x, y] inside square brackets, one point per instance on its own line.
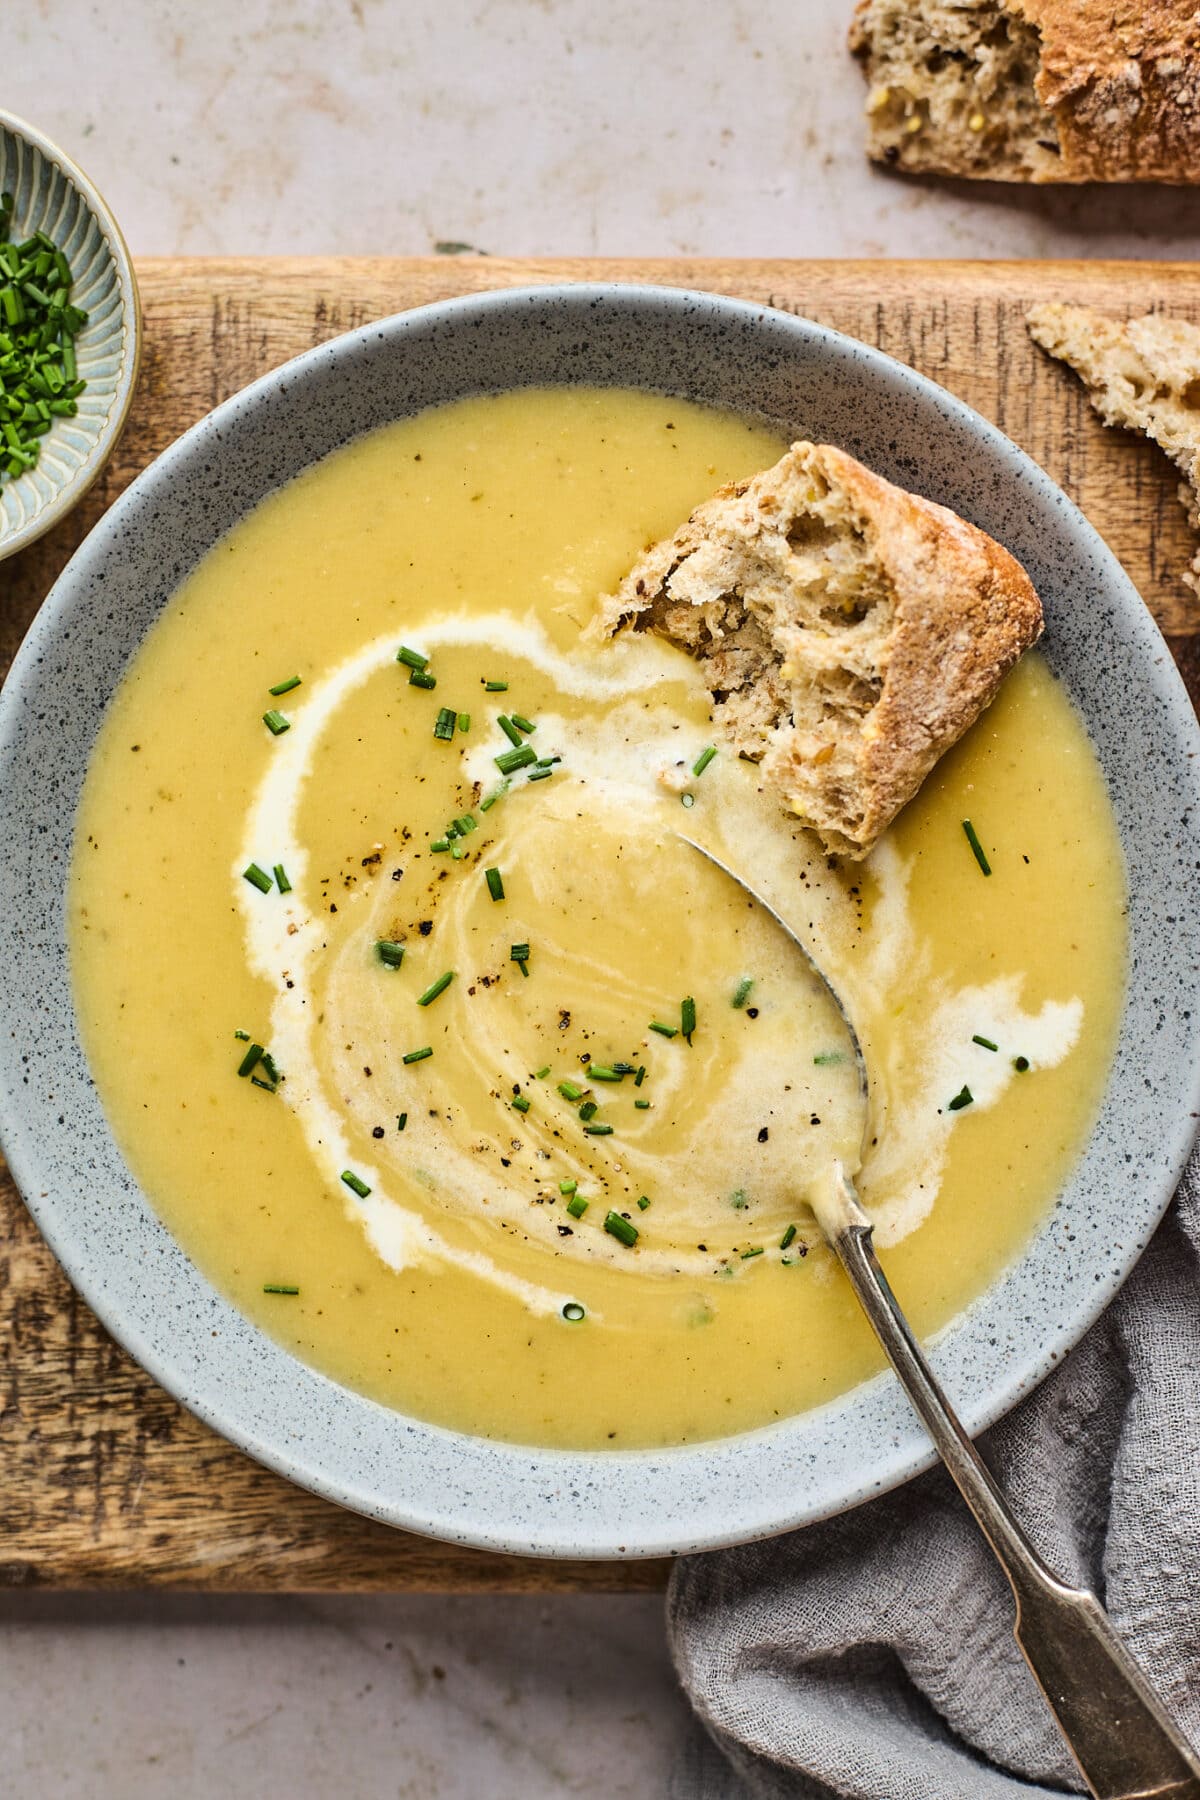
[450, 1060]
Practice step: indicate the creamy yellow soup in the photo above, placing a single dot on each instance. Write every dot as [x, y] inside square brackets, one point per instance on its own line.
[560, 1197]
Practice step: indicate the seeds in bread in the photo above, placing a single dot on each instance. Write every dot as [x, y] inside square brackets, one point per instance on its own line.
[1033, 90]
[1143, 374]
[849, 631]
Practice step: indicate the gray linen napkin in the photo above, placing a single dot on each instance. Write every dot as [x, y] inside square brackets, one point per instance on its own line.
[871, 1657]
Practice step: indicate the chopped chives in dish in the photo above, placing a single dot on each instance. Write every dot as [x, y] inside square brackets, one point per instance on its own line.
[281, 879]
[705, 757]
[622, 1229]
[412, 658]
[495, 687]
[687, 1013]
[284, 687]
[416, 1056]
[508, 728]
[279, 1287]
[276, 723]
[521, 724]
[511, 760]
[577, 1206]
[390, 954]
[984, 1043]
[421, 678]
[667, 1031]
[964, 1097]
[257, 878]
[446, 724]
[355, 1183]
[742, 992]
[495, 883]
[573, 1312]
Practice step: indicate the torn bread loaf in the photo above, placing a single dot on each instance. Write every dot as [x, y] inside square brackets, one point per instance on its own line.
[849, 631]
[1033, 90]
[1143, 374]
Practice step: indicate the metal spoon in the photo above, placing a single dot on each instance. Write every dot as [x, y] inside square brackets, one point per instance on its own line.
[1114, 1724]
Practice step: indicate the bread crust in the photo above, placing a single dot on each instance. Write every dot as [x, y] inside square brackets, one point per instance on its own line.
[1141, 374]
[1118, 82]
[960, 612]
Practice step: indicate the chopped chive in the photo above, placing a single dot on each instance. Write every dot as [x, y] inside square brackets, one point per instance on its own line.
[415, 1056]
[789, 1237]
[275, 723]
[494, 687]
[757, 1251]
[511, 760]
[268, 1087]
[964, 1097]
[976, 847]
[621, 1229]
[547, 762]
[521, 724]
[826, 1058]
[573, 1312]
[412, 658]
[642, 1105]
[984, 1043]
[577, 1206]
[446, 724]
[421, 678]
[390, 954]
[250, 1060]
[643, 1202]
[279, 1287]
[739, 1199]
[401, 1118]
[687, 799]
[571, 1090]
[508, 728]
[497, 793]
[520, 954]
[439, 845]
[435, 988]
[742, 991]
[495, 883]
[541, 1074]
[1020, 1064]
[567, 1187]
[284, 687]
[640, 1076]
[602, 1072]
[281, 879]
[667, 1031]
[257, 878]
[355, 1183]
[464, 723]
[705, 757]
[538, 773]
[597, 1130]
[520, 1103]
[243, 1035]
[588, 1110]
[467, 823]
[687, 1012]
[271, 1067]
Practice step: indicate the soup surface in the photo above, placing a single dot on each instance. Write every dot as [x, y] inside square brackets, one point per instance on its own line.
[560, 1197]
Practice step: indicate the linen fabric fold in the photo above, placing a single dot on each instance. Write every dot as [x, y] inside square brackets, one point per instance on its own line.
[871, 1657]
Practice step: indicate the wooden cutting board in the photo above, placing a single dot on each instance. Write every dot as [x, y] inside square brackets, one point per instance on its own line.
[104, 1480]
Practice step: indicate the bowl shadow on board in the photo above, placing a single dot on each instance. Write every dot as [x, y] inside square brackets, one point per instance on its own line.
[444, 1484]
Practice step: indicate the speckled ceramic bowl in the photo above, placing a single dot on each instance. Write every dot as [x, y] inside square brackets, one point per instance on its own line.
[54, 196]
[1101, 643]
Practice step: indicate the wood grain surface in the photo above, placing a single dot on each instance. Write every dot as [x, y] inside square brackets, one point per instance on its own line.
[104, 1480]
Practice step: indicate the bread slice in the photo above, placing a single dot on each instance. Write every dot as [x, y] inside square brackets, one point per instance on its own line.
[1143, 374]
[849, 631]
[1033, 90]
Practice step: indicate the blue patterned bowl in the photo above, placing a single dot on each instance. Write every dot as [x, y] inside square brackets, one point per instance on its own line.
[54, 196]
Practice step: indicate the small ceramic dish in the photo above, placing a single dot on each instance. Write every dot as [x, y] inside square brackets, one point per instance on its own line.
[53, 195]
[1100, 643]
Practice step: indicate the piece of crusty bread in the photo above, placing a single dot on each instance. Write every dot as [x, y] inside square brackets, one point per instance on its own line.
[1033, 90]
[849, 631]
[1143, 374]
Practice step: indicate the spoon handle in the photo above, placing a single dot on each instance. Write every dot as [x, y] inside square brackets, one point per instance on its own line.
[1113, 1722]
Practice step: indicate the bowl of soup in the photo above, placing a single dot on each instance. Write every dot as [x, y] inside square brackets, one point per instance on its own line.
[386, 1068]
